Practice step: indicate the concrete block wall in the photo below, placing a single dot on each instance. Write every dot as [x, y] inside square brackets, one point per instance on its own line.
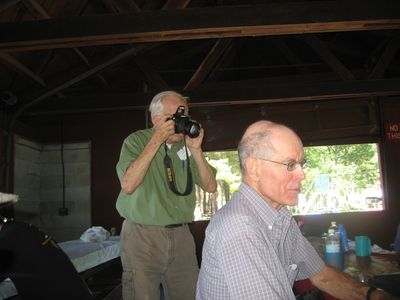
[47, 187]
[27, 180]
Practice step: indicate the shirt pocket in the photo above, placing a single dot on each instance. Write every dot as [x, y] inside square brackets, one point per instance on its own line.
[292, 272]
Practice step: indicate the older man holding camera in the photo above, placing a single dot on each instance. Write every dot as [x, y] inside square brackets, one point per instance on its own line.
[156, 169]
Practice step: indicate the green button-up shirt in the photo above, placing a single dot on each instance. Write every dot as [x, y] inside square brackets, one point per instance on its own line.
[153, 203]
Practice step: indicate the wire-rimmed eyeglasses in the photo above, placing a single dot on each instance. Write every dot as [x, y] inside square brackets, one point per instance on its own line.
[291, 165]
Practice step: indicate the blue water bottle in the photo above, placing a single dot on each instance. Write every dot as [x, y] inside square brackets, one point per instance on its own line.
[333, 254]
[343, 238]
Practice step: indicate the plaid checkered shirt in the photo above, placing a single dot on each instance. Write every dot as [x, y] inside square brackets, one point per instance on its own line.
[253, 251]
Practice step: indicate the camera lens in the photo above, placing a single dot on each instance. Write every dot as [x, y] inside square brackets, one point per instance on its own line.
[194, 130]
[183, 123]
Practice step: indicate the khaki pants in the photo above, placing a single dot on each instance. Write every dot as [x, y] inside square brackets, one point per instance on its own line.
[154, 255]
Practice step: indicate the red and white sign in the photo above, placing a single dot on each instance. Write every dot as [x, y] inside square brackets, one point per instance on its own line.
[392, 131]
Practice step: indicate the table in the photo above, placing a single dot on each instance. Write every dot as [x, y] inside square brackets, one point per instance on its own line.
[369, 266]
[361, 268]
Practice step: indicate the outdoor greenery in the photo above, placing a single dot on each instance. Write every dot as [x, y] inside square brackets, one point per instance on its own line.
[228, 168]
[354, 166]
[339, 178]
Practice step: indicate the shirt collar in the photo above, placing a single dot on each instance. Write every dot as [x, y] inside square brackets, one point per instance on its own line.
[267, 213]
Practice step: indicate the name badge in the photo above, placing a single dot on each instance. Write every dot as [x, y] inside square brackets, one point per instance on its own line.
[182, 153]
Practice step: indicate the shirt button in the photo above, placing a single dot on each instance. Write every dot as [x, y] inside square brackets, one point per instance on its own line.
[270, 227]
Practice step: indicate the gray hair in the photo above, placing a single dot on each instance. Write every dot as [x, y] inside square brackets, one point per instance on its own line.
[156, 106]
[258, 144]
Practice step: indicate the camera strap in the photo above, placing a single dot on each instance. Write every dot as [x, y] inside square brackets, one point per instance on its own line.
[169, 172]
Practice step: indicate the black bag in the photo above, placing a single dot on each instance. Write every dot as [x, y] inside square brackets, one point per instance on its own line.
[37, 266]
[313, 294]
[390, 283]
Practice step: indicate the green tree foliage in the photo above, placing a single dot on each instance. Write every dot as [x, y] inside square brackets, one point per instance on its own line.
[338, 177]
[354, 166]
[228, 168]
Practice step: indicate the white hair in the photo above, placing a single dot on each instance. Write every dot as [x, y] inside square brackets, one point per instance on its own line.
[258, 144]
[156, 106]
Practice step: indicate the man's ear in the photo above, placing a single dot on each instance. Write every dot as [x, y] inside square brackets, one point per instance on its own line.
[155, 119]
[252, 165]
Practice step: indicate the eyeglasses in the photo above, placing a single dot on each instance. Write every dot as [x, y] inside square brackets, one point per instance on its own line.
[290, 165]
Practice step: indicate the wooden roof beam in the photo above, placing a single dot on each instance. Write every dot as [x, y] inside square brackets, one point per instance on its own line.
[21, 69]
[175, 4]
[7, 3]
[387, 56]
[42, 12]
[153, 77]
[208, 63]
[201, 23]
[237, 94]
[334, 63]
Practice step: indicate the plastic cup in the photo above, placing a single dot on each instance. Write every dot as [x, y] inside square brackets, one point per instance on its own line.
[363, 245]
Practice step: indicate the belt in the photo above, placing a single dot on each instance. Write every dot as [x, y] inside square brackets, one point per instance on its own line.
[175, 225]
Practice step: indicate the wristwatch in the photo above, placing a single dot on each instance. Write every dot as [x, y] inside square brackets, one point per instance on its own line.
[370, 291]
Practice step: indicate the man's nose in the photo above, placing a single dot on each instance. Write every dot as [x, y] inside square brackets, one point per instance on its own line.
[299, 173]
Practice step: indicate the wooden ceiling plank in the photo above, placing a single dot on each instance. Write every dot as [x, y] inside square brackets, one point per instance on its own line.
[297, 79]
[291, 56]
[175, 4]
[110, 5]
[208, 63]
[334, 63]
[82, 7]
[38, 8]
[387, 56]
[79, 53]
[236, 95]
[45, 62]
[87, 63]
[127, 6]
[150, 73]
[21, 69]
[186, 53]
[25, 71]
[7, 3]
[50, 91]
[225, 60]
[201, 23]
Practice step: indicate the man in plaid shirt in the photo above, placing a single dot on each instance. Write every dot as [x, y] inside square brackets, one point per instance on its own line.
[253, 247]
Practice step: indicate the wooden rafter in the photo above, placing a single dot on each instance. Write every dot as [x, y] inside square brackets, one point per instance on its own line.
[186, 53]
[334, 63]
[202, 23]
[225, 60]
[387, 56]
[153, 77]
[42, 12]
[208, 63]
[236, 94]
[175, 4]
[289, 54]
[7, 3]
[122, 6]
[54, 90]
[21, 69]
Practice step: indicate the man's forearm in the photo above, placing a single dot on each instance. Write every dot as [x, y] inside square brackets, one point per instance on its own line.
[136, 171]
[343, 286]
[207, 178]
[339, 284]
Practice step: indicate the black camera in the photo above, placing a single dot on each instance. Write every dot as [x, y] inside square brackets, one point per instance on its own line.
[185, 125]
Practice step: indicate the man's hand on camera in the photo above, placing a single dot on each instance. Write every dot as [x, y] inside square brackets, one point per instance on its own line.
[163, 129]
[195, 143]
